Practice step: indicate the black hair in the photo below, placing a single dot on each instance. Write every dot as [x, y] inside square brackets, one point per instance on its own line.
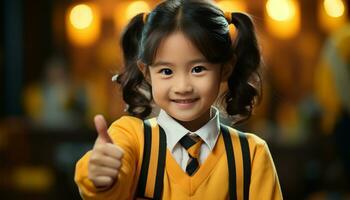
[206, 26]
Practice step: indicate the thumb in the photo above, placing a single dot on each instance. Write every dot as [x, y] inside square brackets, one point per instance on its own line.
[101, 127]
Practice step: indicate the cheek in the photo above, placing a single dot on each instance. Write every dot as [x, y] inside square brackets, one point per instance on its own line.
[159, 89]
[210, 88]
[211, 83]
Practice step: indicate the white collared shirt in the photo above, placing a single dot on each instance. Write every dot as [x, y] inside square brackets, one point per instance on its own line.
[174, 132]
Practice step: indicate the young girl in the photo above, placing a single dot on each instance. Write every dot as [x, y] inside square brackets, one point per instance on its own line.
[176, 58]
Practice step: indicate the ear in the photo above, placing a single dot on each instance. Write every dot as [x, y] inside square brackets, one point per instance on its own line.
[143, 68]
[227, 69]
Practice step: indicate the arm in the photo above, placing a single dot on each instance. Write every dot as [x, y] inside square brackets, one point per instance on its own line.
[124, 136]
[264, 179]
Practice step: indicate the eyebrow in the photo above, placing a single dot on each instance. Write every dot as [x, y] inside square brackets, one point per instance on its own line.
[198, 60]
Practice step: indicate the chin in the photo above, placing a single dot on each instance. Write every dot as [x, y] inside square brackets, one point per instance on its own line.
[184, 118]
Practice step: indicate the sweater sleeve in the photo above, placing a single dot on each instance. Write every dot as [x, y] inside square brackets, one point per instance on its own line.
[264, 180]
[125, 132]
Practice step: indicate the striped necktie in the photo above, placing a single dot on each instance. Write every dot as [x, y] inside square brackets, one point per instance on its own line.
[192, 146]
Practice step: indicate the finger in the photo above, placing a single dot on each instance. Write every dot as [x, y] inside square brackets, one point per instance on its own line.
[105, 161]
[108, 149]
[101, 127]
[103, 181]
[114, 151]
[106, 171]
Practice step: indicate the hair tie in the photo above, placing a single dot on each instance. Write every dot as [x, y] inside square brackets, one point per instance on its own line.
[228, 16]
[144, 17]
[115, 78]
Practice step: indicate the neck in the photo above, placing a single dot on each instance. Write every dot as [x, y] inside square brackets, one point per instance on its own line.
[196, 124]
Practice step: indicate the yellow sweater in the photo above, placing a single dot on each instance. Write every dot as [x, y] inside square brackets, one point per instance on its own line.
[209, 182]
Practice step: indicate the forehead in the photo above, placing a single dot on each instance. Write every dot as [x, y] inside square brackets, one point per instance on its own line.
[177, 48]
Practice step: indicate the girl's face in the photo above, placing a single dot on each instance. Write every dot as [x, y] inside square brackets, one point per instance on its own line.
[184, 83]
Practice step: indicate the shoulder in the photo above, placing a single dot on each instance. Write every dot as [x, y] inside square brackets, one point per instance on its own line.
[131, 125]
[255, 142]
[251, 137]
[126, 127]
[128, 123]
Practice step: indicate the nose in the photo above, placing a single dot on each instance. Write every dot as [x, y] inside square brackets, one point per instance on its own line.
[183, 85]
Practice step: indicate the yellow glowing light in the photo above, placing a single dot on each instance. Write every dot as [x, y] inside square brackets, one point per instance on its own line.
[83, 24]
[232, 6]
[334, 8]
[332, 14]
[136, 8]
[280, 10]
[283, 18]
[81, 16]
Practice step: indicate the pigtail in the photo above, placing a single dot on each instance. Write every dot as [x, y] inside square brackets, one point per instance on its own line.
[133, 84]
[242, 91]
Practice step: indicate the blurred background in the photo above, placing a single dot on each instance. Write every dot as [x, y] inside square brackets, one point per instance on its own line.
[57, 58]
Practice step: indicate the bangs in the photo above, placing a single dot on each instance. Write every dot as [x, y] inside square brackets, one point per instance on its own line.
[209, 34]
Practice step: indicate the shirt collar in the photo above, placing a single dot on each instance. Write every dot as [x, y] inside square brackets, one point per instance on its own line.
[175, 131]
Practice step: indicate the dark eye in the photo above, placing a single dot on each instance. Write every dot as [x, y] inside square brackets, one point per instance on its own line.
[166, 71]
[198, 69]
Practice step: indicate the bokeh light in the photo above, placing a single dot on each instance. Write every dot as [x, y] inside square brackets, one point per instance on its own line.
[280, 10]
[332, 14]
[283, 18]
[232, 6]
[83, 24]
[334, 8]
[81, 16]
[136, 8]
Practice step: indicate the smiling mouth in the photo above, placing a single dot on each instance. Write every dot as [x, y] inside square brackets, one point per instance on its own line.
[185, 101]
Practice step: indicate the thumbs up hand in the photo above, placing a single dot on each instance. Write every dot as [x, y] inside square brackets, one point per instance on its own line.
[101, 127]
[105, 159]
